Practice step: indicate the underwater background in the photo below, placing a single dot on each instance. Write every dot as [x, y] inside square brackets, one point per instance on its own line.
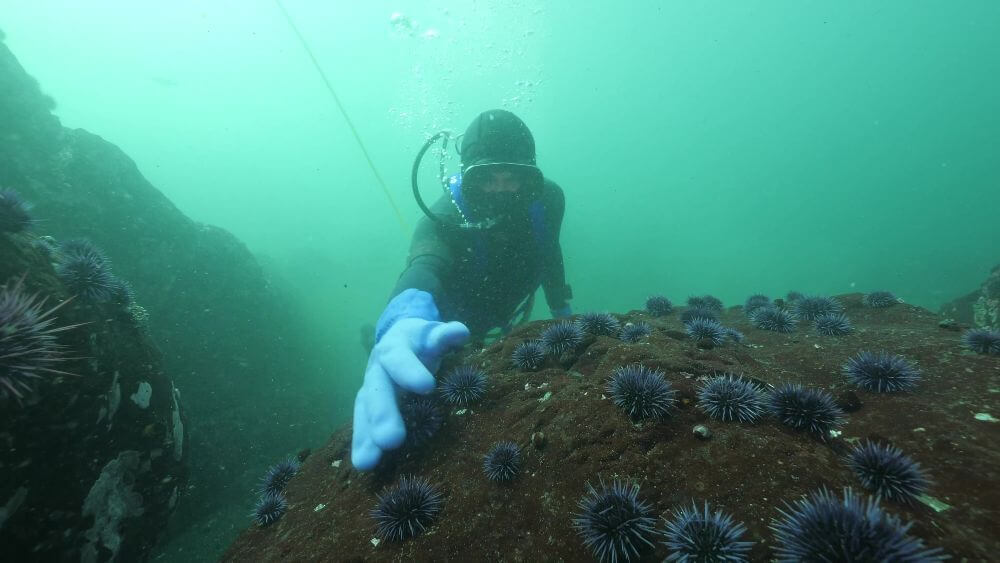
[718, 147]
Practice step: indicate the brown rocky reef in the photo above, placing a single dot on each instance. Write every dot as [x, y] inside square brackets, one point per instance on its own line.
[571, 433]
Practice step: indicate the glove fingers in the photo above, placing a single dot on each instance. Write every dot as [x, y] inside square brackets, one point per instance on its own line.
[385, 424]
[408, 371]
[364, 453]
[446, 336]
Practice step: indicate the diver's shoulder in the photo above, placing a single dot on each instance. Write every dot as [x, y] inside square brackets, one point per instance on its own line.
[552, 193]
[552, 189]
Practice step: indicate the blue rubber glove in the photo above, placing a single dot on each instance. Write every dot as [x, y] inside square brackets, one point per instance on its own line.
[561, 313]
[410, 340]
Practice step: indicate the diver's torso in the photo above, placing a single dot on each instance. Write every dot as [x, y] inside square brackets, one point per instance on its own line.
[494, 271]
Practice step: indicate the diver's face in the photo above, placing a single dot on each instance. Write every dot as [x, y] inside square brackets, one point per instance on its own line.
[501, 181]
[499, 192]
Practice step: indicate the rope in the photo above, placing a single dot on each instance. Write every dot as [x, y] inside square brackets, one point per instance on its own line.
[340, 106]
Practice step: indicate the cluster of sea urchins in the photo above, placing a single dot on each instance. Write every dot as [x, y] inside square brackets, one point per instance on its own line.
[826, 314]
[271, 502]
[86, 272]
[616, 524]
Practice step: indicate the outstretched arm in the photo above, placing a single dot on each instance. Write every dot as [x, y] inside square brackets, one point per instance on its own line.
[429, 260]
[410, 340]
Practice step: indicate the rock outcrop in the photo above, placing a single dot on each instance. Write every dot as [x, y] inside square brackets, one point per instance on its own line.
[234, 344]
[94, 454]
[980, 308]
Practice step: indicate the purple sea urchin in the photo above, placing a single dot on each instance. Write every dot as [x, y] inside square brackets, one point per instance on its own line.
[528, 355]
[503, 462]
[659, 306]
[599, 324]
[699, 535]
[641, 392]
[733, 335]
[834, 324]
[824, 528]
[85, 270]
[81, 247]
[634, 332]
[805, 409]
[422, 419]
[613, 521]
[15, 216]
[879, 299]
[122, 292]
[705, 302]
[406, 509]
[982, 341]
[729, 397]
[755, 302]
[773, 319]
[706, 330]
[881, 372]
[463, 385]
[562, 337]
[28, 345]
[693, 313]
[270, 508]
[809, 308]
[887, 472]
[278, 476]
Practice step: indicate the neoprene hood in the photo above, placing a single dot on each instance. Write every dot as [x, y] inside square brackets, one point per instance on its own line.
[497, 137]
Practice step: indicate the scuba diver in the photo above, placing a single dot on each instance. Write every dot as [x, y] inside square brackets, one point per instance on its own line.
[475, 263]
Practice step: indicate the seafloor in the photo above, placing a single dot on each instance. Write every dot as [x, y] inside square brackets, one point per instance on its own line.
[747, 470]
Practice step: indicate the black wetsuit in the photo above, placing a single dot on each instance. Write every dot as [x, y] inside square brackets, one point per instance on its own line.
[480, 277]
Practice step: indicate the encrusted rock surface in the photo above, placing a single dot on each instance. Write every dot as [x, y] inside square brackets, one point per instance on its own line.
[746, 470]
[979, 308]
[94, 459]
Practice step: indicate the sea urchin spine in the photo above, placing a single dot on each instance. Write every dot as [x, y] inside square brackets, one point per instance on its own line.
[982, 341]
[881, 372]
[503, 462]
[805, 409]
[562, 337]
[887, 471]
[528, 355]
[270, 508]
[659, 306]
[824, 528]
[464, 385]
[599, 324]
[15, 216]
[699, 535]
[729, 397]
[613, 521]
[634, 332]
[406, 509]
[641, 392]
[773, 319]
[28, 346]
[279, 475]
